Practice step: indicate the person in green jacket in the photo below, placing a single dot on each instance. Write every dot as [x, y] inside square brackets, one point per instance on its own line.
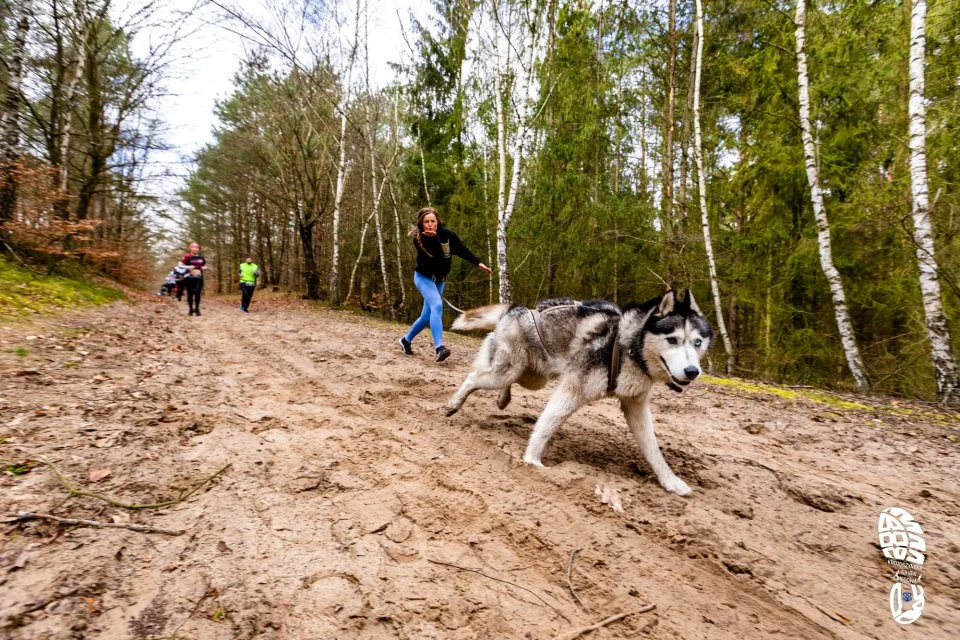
[249, 272]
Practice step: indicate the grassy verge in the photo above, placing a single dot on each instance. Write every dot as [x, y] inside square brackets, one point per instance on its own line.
[873, 404]
[24, 293]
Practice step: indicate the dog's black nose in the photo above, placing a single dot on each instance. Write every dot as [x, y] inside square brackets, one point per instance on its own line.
[691, 372]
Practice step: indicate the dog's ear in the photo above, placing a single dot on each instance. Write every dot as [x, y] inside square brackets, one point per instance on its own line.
[691, 303]
[667, 303]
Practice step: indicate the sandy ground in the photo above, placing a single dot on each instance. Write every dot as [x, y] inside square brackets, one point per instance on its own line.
[351, 508]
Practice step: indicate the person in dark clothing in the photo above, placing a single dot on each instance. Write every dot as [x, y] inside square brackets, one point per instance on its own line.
[180, 272]
[436, 245]
[168, 285]
[193, 281]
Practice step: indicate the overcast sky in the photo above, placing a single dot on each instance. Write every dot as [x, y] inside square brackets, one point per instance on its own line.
[204, 65]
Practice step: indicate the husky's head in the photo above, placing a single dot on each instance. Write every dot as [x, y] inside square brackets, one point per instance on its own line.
[673, 338]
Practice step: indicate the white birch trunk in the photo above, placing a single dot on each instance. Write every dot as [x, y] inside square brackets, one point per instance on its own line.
[363, 241]
[943, 361]
[375, 193]
[486, 227]
[64, 168]
[844, 326]
[505, 211]
[377, 196]
[10, 122]
[393, 198]
[342, 169]
[503, 277]
[400, 275]
[423, 168]
[702, 182]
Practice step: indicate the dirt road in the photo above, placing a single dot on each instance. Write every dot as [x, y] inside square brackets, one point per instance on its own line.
[351, 508]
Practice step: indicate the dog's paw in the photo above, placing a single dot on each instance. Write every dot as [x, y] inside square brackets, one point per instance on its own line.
[676, 485]
[533, 462]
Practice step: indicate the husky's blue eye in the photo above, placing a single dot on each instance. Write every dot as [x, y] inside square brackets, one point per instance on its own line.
[697, 342]
[672, 340]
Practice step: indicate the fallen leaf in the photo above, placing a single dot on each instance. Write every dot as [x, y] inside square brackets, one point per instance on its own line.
[91, 604]
[96, 475]
[17, 420]
[611, 496]
[20, 562]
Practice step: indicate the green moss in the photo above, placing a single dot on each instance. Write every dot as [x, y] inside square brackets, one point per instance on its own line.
[816, 395]
[25, 293]
[824, 397]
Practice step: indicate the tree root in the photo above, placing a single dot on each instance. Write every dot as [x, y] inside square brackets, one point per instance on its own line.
[74, 491]
[576, 633]
[21, 516]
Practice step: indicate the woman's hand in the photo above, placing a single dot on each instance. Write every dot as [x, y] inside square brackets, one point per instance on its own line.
[485, 268]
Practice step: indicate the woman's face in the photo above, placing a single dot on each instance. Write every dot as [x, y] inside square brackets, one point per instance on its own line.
[194, 248]
[429, 223]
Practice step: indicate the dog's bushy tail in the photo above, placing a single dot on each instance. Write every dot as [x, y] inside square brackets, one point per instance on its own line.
[480, 318]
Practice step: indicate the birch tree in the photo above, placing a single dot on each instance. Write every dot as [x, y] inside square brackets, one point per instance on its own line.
[342, 168]
[942, 356]
[10, 126]
[844, 326]
[518, 95]
[668, 125]
[702, 183]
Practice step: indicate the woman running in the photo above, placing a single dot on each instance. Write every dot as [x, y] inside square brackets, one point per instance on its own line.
[436, 245]
[193, 281]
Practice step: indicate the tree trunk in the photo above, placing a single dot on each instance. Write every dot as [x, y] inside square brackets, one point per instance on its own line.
[309, 260]
[363, 241]
[503, 277]
[941, 354]
[342, 170]
[702, 183]
[11, 116]
[685, 136]
[63, 171]
[96, 154]
[400, 274]
[377, 194]
[844, 326]
[667, 170]
[519, 146]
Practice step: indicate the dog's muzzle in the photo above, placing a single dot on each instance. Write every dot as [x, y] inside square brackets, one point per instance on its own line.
[675, 383]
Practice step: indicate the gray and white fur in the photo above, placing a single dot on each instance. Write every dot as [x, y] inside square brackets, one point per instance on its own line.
[662, 341]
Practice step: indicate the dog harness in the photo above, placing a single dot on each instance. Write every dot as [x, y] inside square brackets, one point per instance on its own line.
[536, 323]
[616, 355]
[616, 360]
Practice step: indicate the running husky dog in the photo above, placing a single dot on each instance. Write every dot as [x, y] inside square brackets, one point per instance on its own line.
[595, 349]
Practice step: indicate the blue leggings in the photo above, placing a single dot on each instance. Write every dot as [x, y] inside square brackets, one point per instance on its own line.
[432, 313]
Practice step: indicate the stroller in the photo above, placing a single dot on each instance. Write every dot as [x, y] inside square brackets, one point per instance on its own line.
[168, 286]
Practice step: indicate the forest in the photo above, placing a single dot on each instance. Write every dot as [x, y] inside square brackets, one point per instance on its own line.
[795, 165]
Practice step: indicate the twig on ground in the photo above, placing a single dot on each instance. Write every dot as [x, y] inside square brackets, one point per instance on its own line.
[20, 516]
[74, 491]
[387, 551]
[207, 592]
[447, 564]
[576, 633]
[573, 554]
